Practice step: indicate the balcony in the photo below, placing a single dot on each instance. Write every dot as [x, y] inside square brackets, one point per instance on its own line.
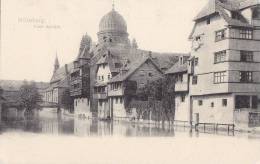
[181, 87]
[100, 95]
[75, 92]
[75, 80]
[118, 92]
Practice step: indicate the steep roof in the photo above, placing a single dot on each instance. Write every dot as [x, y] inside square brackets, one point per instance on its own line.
[217, 6]
[177, 68]
[207, 10]
[132, 68]
[62, 72]
[221, 7]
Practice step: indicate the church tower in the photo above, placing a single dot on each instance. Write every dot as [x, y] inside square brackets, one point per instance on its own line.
[56, 64]
[113, 29]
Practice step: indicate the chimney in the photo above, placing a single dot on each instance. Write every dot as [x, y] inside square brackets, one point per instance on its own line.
[66, 69]
[181, 60]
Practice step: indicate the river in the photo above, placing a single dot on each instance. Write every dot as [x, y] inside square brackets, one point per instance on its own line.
[55, 139]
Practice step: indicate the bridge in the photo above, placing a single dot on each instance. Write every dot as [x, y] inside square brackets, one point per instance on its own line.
[49, 105]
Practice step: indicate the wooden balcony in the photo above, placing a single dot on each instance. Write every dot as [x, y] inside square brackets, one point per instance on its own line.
[181, 87]
[100, 96]
[118, 92]
[75, 92]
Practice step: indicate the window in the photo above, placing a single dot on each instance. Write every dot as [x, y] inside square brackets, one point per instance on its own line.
[220, 35]
[256, 13]
[104, 66]
[196, 61]
[212, 105]
[254, 102]
[242, 102]
[194, 80]
[183, 98]
[208, 21]
[117, 65]
[108, 76]
[235, 15]
[246, 34]
[100, 103]
[220, 56]
[150, 74]
[179, 78]
[102, 78]
[200, 102]
[220, 77]
[246, 77]
[224, 102]
[121, 100]
[116, 100]
[246, 56]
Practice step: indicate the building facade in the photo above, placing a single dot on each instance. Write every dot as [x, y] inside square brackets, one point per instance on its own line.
[224, 67]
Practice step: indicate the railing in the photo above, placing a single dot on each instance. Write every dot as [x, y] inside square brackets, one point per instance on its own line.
[100, 95]
[215, 127]
[118, 92]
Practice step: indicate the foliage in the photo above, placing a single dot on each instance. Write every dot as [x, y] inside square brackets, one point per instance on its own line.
[67, 101]
[29, 97]
[156, 99]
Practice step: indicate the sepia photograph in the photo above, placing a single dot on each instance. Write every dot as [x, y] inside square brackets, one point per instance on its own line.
[130, 82]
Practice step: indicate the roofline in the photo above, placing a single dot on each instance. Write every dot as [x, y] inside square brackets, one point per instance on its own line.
[148, 58]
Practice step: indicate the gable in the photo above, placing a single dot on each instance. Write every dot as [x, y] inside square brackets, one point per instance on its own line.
[148, 71]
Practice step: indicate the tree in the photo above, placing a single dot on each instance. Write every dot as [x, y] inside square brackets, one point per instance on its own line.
[159, 95]
[29, 98]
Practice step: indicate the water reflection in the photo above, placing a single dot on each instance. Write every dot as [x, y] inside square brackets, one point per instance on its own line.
[57, 124]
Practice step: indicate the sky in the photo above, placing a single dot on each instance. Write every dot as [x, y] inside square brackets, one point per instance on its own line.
[34, 31]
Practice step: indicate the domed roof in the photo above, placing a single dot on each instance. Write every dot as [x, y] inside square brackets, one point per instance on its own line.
[113, 21]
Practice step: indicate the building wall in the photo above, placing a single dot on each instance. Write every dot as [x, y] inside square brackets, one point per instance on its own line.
[141, 76]
[82, 107]
[103, 109]
[205, 54]
[118, 107]
[103, 71]
[216, 114]
[182, 108]
[211, 93]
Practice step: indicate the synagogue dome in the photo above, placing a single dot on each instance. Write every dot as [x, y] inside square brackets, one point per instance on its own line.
[113, 22]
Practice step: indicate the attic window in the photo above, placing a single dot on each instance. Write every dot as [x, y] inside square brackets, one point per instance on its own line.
[256, 13]
[208, 21]
[117, 65]
[235, 15]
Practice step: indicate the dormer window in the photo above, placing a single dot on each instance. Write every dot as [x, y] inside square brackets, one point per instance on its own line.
[256, 13]
[208, 21]
[117, 65]
[235, 15]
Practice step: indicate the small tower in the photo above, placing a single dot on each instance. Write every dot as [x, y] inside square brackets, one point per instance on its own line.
[134, 44]
[56, 64]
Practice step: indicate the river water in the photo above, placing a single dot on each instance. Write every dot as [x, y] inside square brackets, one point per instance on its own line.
[55, 139]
